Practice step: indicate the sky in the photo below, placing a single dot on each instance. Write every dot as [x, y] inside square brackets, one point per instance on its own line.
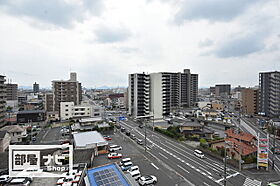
[224, 41]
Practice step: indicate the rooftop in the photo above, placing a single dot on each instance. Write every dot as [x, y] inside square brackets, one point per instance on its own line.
[241, 147]
[242, 135]
[109, 174]
[84, 139]
[31, 111]
[2, 134]
[85, 120]
[12, 128]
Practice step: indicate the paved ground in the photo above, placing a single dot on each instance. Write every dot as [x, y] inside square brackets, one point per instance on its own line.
[147, 164]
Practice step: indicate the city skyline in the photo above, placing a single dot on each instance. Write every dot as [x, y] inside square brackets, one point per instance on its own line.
[104, 41]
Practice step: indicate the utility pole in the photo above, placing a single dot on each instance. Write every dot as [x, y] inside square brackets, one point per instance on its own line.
[273, 151]
[225, 165]
[145, 137]
[240, 150]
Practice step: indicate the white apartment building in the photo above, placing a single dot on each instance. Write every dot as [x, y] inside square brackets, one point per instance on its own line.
[68, 111]
[16, 132]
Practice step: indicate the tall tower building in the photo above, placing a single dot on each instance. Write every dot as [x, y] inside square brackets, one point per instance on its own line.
[167, 90]
[66, 91]
[249, 100]
[36, 88]
[139, 94]
[11, 91]
[2, 99]
[269, 93]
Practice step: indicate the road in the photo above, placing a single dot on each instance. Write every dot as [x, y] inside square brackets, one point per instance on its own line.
[182, 161]
[250, 126]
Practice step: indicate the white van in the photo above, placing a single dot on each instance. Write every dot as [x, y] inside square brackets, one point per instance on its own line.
[135, 174]
[124, 161]
[199, 154]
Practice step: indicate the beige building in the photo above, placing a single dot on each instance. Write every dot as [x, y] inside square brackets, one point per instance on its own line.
[249, 101]
[5, 140]
[66, 91]
[16, 132]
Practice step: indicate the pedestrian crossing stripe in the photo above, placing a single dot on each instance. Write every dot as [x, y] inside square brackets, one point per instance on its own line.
[250, 182]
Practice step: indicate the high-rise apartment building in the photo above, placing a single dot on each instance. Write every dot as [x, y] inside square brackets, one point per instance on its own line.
[2, 99]
[49, 102]
[139, 95]
[66, 91]
[36, 88]
[269, 93]
[249, 100]
[222, 90]
[11, 91]
[167, 90]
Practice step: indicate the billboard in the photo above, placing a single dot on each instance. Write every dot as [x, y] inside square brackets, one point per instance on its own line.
[263, 147]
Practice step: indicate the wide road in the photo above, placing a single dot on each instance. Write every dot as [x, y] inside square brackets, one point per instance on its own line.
[252, 125]
[180, 158]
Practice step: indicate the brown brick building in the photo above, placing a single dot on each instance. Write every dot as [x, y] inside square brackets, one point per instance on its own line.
[249, 97]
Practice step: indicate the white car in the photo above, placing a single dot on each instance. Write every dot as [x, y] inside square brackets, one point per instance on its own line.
[114, 155]
[20, 181]
[4, 179]
[113, 148]
[133, 168]
[145, 180]
[74, 172]
[135, 174]
[68, 179]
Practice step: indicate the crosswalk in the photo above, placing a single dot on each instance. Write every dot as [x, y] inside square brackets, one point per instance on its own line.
[251, 182]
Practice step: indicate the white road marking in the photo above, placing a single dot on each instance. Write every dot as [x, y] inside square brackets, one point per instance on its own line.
[206, 184]
[229, 176]
[154, 166]
[250, 182]
[163, 155]
[183, 169]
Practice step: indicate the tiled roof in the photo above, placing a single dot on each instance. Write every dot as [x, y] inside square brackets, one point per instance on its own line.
[241, 147]
[2, 134]
[242, 135]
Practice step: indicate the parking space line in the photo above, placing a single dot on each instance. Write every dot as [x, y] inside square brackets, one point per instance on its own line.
[206, 184]
[183, 169]
[154, 166]
[163, 155]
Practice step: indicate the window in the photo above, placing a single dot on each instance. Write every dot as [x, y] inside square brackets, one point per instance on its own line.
[66, 110]
[66, 114]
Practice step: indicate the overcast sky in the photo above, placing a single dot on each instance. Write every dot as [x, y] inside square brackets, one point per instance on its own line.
[224, 41]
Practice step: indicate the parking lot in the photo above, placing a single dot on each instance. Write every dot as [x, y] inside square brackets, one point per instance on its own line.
[148, 165]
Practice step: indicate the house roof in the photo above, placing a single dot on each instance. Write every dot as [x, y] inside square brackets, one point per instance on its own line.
[31, 111]
[12, 128]
[242, 135]
[83, 139]
[2, 134]
[241, 147]
[191, 124]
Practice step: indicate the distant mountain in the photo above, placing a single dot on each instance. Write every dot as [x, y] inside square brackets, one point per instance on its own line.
[25, 87]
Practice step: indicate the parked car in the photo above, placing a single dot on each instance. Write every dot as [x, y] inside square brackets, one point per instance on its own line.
[122, 129]
[127, 133]
[132, 136]
[133, 168]
[20, 181]
[113, 148]
[135, 174]
[140, 142]
[114, 155]
[107, 138]
[5, 179]
[141, 126]
[68, 179]
[74, 172]
[126, 166]
[125, 160]
[145, 180]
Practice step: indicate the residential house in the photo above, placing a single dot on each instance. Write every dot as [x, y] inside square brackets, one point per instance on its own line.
[195, 129]
[5, 140]
[16, 132]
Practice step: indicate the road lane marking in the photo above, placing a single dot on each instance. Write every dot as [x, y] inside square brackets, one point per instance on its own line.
[163, 155]
[206, 184]
[183, 169]
[154, 166]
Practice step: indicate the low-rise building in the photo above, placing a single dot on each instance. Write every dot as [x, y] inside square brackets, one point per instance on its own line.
[5, 140]
[27, 116]
[195, 129]
[53, 116]
[91, 140]
[70, 111]
[16, 132]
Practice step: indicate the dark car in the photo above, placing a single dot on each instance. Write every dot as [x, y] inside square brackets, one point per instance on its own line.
[141, 126]
[122, 129]
[127, 133]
